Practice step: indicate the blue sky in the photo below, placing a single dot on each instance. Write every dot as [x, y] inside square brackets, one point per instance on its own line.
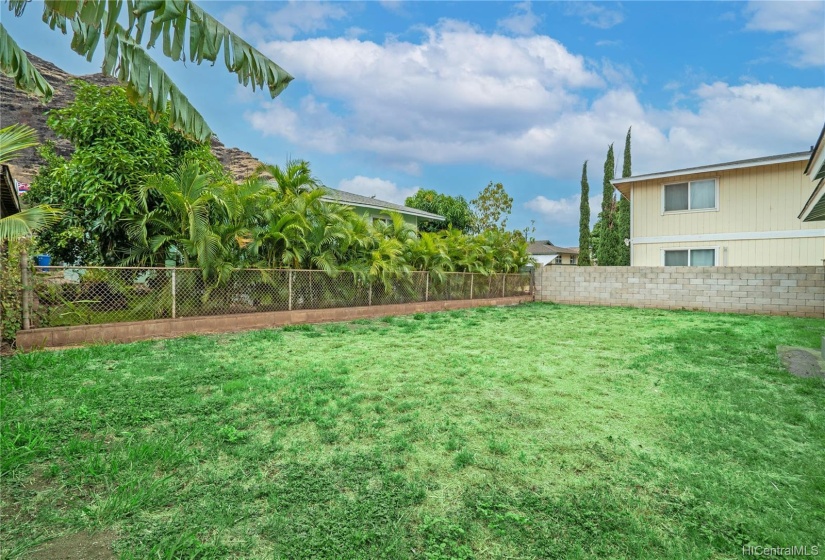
[393, 96]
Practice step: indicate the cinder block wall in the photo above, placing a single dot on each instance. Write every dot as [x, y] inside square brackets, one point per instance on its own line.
[773, 290]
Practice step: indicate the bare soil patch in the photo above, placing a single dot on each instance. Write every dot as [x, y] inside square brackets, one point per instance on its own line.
[78, 546]
[802, 362]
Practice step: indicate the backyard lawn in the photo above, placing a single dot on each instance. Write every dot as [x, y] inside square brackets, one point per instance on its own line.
[537, 431]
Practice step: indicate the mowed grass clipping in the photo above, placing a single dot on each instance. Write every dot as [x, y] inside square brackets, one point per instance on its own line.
[538, 431]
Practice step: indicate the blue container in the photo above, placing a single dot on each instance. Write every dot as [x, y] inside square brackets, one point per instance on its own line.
[42, 260]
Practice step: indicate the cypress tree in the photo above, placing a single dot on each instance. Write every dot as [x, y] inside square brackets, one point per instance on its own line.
[607, 253]
[623, 209]
[584, 221]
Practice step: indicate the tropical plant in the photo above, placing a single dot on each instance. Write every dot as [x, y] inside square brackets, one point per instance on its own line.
[124, 56]
[182, 224]
[14, 139]
[117, 145]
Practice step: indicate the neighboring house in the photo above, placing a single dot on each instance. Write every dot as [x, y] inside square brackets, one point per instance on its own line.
[376, 209]
[741, 213]
[9, 199]
[814, 208]
[544, 252]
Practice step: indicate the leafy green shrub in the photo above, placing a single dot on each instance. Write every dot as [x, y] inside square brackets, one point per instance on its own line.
[10, 293]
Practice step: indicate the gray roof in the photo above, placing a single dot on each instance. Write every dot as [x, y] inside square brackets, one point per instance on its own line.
[545, 247]
[352, 199]
[782, 158]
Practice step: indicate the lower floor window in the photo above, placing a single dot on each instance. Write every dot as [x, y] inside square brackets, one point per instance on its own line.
[690, 257]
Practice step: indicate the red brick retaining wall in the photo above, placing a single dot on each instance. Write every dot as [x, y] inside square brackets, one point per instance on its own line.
[161, 328]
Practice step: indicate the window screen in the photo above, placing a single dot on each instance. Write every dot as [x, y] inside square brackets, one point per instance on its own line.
[702, 194]
[676, 258]
[676, 197]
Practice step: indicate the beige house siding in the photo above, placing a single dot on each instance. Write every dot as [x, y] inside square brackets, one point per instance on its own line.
[757, 209]
[768, 252]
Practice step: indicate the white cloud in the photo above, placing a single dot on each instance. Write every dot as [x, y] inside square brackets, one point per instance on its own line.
[303, 17]
[595, 15]
[378, 188]
[396, 6]
[563, 211]
[802, 22]
[462, 96]
[521, 21]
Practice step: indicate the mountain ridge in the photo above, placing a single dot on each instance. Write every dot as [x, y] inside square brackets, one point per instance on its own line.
[18, 107]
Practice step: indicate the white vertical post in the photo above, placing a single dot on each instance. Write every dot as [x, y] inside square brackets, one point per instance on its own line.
[290, 290]
[174, 294]
[503, 283]
[427, 287]
[369, 296]
[471, 284]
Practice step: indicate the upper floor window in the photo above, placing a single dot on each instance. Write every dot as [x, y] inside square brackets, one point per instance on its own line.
[557, 260]
[572, 260]
[693, 195]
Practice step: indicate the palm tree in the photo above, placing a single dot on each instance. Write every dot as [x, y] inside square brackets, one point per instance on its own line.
[14, 139]
[183, 221]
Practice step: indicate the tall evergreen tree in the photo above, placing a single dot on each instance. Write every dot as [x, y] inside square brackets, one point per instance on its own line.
[623, 209]
[607, 252]
[584, 221]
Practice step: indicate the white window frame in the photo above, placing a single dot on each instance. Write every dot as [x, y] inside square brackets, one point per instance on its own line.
[691, 210]
[572, 260]
[716, 253]
[557, 260]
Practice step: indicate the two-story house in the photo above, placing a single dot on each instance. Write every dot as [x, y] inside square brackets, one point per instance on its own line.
[740, 213]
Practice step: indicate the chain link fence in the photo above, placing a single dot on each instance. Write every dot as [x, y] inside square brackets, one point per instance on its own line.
[65, 296]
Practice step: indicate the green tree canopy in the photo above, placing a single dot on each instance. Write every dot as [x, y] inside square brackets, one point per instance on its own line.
[492, 208]
[117, 146]
[455, 209]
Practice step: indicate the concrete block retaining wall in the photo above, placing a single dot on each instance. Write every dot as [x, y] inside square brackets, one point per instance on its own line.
[775, 290]
[162, 328]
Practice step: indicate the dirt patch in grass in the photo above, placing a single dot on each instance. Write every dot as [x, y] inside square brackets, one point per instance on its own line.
[802, 362]
[78, 546]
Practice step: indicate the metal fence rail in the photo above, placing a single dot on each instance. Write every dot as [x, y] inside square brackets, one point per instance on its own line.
[65, 296]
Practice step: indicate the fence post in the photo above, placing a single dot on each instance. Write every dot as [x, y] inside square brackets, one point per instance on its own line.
[427, 286]
[26, 292]
[503, 284]
[369, 296]
[174, 293]
[290, 290]
[471, 284]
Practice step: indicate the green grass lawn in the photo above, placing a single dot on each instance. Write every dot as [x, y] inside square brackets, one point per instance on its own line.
[539, 431]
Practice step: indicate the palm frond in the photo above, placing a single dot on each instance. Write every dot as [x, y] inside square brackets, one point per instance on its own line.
[28, 221]
[14, 139]
[15, 64]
